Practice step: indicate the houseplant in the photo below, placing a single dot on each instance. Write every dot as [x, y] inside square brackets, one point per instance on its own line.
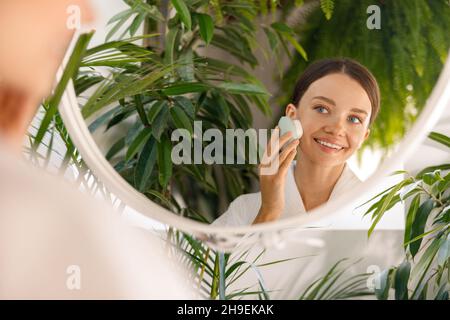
[167, 84]
[406, 54]
[424, 273]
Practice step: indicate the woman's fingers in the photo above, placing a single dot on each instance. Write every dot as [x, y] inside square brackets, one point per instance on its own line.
[284, 166]
[276, 142]
[291, 146]
[274, 166]
[274, 146]
[282, 156]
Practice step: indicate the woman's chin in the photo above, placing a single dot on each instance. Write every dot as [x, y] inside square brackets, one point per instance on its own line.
[327, 159]
[322, 157]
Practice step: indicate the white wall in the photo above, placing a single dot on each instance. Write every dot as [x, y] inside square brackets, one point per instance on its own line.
[431, 153]
[104, 10]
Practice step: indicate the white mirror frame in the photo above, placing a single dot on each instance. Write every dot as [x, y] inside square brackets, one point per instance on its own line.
[271, 233]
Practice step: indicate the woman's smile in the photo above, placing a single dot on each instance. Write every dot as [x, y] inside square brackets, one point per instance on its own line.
[327, 147]
[334, 112]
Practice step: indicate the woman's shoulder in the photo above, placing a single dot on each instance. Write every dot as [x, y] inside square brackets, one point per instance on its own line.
[244, 198]
[349, 181]
[352, 174]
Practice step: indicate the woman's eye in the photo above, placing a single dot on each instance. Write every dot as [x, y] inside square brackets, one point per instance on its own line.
[320, 108]
[357, 119]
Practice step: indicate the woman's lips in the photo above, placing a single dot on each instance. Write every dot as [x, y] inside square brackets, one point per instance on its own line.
[327, 149]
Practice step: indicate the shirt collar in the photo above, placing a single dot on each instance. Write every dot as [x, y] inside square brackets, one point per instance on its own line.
[293, 200]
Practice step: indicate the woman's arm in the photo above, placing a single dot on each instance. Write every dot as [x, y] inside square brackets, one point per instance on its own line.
[272, 182]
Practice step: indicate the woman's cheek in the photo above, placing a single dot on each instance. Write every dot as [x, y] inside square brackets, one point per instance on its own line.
[311, 125]
[356, 140]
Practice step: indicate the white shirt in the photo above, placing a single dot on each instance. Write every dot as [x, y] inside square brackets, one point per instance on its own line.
[244, 209]
[57, 243]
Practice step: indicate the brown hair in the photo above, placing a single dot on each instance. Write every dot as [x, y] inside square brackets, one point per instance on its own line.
[352, 68]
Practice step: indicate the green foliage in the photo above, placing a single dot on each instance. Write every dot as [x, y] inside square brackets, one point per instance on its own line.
[168, 84]
[215, 272]
[327, 7]
[137, 13]
[406, 55]
[164, 88]
[425, 272]
[51, 105]
[49, 126]
[332, 287]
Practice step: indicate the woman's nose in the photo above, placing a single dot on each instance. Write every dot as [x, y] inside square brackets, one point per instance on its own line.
[336, 126]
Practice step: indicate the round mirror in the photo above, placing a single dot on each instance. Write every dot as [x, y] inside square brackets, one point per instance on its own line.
[173, 108]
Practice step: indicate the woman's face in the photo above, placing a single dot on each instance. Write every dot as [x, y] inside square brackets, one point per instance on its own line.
[335, 109]
[36, 35]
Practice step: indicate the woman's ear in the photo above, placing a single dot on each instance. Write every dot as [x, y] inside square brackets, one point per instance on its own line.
[291, 111]
[367, 134]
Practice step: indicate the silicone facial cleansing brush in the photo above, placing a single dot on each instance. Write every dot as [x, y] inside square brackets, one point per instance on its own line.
[287, 124]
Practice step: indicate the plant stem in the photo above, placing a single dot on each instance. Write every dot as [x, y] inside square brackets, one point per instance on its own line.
[431, 195]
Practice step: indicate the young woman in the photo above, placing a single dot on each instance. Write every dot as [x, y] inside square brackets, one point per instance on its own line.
[55, 242]
[337, 101]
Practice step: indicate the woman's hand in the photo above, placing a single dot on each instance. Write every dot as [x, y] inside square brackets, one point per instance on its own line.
[272, 175]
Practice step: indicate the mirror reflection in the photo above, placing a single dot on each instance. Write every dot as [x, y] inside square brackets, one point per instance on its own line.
[187, 108]
[172, 112]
